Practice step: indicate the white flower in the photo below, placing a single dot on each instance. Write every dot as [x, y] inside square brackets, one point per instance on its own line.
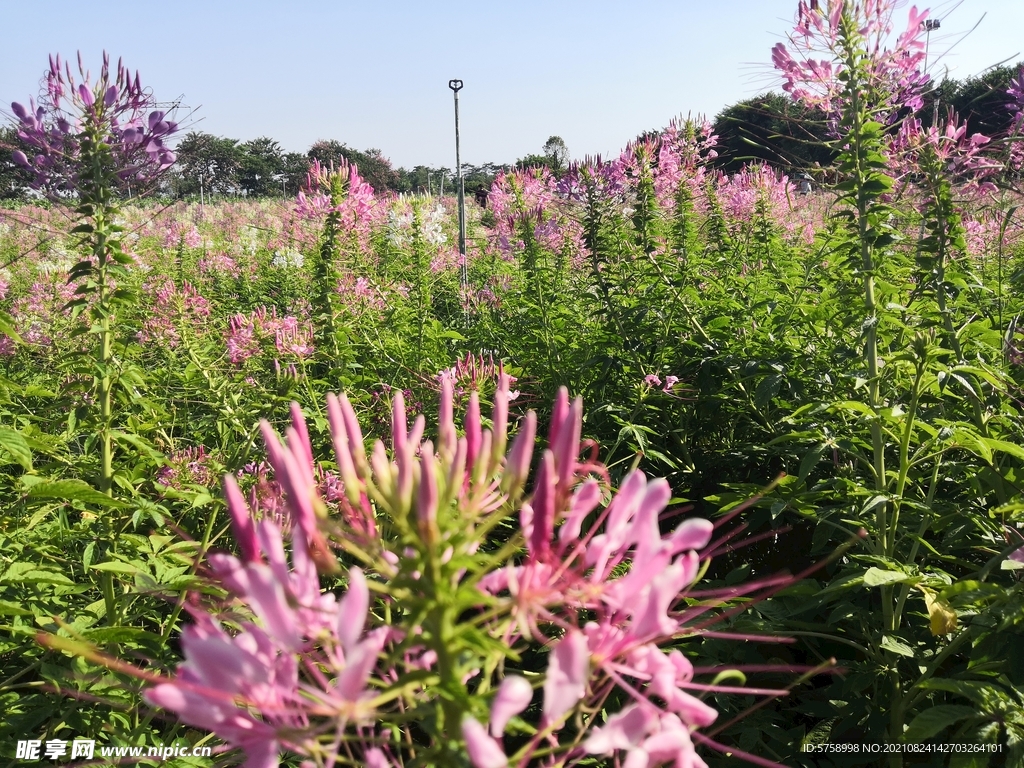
[59, 260]
[288, 258]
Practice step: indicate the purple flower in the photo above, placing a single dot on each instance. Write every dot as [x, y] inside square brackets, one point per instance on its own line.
[110, 108]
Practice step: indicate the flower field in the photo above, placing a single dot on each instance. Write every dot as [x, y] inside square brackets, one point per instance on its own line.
[674, 467]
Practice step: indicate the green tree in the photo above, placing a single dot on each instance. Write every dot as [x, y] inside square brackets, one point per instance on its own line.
[260, 167]
[557, 153]
[772, 128]
[208, 163]
[979, 101]
[294, 167]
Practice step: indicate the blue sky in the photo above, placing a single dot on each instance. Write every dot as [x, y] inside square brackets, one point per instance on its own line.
[375, 74]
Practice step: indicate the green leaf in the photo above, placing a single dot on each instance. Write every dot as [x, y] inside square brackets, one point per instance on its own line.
[30, 573]
[933, 720]
[73, 490]
[767, 390]
[853, 406]
[974, 443]
[876, 577]
[810, 460]
[890, 643]
[137, 442]
[7, 327]
[1004, 446]
[730, 674]
[115, 566]
[12, 609]
[14, 443]
[201, 500]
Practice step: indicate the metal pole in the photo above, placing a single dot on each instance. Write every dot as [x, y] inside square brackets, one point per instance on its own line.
[929, 25]
[456, 86]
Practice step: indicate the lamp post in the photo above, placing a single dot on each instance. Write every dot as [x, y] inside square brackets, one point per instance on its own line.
[929, 25]
[456, 86]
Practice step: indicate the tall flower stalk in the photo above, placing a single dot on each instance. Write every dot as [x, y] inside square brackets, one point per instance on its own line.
[865, 83]
[92, 137]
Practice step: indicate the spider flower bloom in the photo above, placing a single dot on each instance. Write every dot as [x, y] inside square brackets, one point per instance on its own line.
[435, 606]
[895, 62]
[114, 109]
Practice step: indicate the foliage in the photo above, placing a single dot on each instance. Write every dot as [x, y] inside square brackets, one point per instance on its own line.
[835, 374]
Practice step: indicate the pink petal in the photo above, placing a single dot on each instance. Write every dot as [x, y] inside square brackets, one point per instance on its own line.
[484, 752]
[352, 610]
[692, 534]
[624, 730]
[566, 680]
[241, 521]
[514, 695]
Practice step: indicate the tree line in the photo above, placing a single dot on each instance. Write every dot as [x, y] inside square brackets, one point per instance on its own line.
[772, 128]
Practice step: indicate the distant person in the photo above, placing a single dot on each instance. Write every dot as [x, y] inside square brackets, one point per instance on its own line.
[805, 184]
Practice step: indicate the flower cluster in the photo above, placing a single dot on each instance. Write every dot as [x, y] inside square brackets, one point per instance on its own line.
[187, 466]
[359, 293]
[1016, 93]
[526, 204]
[653, 380]
[435, 618]
[251, 334]
[593, 177]
[960, 155]
[288, 258]
[342, 192]
[476, 373]
[684, 149]
[756, 190]
[895, 67]
[42, 314]
[114, 108]
[175, 310]
[180, 234]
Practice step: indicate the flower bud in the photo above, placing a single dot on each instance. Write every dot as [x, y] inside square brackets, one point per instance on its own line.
[514, 695]
[484, 752]
[241, 521]
[426, 498]
[517, 468]
[86, 95]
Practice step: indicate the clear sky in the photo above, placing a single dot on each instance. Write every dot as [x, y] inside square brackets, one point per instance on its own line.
[375, 73]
